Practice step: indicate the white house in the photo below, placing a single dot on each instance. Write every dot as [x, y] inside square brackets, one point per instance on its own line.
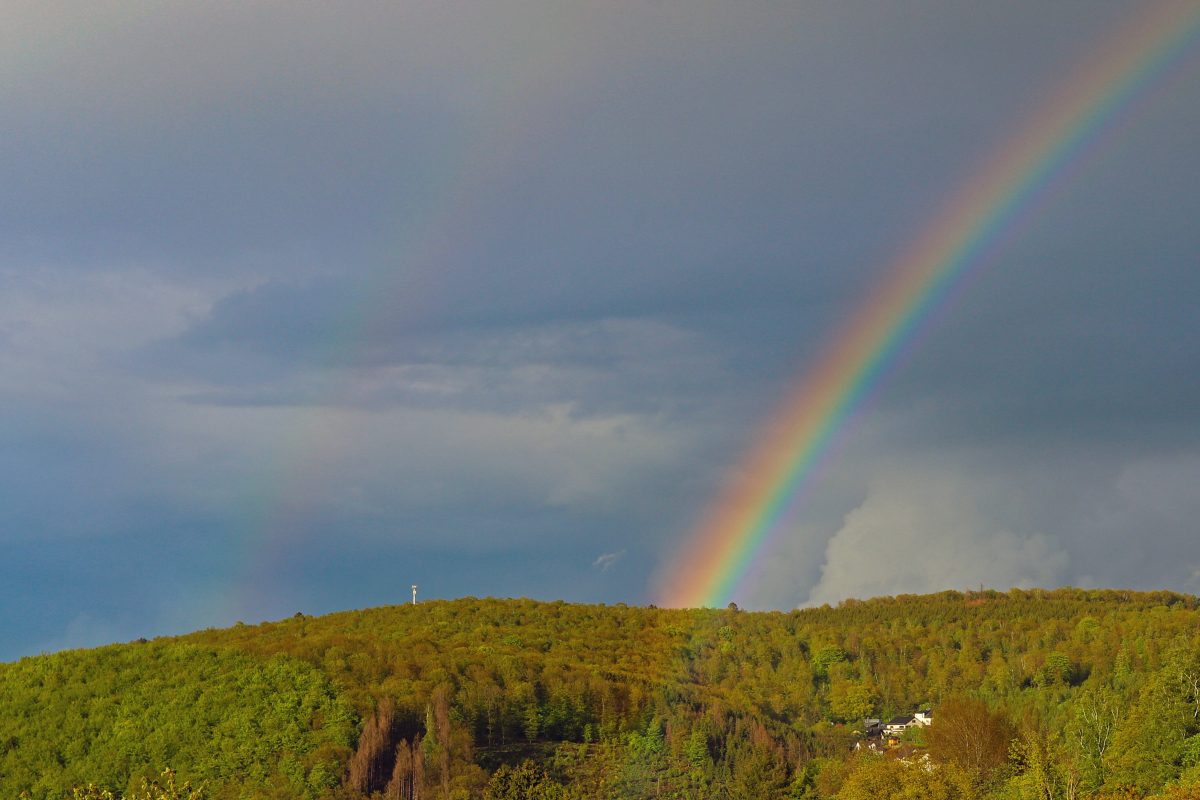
[896, 725]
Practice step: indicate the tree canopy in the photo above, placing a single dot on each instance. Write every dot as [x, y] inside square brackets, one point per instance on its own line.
[1048, 694]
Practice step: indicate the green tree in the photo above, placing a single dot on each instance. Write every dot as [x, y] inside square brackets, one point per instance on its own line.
[527, 781]
[758, 773]
[1056, 671]
[825, 657]
[873, 777]
[695, 750]
[1148, 743]
[850, 701]
[1097, 713]
[165, 788]
[532, 722]
[1044, 769]
[650, 743]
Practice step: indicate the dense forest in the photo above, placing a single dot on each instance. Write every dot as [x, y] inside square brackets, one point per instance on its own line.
[1035, 694]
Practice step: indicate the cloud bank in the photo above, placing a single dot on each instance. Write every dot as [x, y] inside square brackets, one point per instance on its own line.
[300, 306]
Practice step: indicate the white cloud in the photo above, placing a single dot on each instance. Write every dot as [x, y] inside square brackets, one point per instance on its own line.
[605, 561]
[928, 532]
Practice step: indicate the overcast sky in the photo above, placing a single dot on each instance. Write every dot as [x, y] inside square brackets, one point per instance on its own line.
[301, 304]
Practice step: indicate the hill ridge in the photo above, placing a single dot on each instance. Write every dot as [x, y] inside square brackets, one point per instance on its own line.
[336, 706]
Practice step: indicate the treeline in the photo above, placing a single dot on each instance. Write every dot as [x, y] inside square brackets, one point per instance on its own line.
[1090, 693]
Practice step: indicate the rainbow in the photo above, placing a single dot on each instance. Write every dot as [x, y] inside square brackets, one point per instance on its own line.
[318, 438]
[984, 215]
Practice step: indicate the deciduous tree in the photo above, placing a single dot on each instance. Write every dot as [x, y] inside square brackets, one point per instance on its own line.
[967, 733]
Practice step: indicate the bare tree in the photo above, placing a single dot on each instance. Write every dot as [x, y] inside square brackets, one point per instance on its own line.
[968, 733]
[400, 787]
[370, 766]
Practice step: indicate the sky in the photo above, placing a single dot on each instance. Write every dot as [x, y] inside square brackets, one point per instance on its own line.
[301, 304]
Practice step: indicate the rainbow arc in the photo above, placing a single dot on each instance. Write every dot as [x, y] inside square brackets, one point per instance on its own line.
[974, 225]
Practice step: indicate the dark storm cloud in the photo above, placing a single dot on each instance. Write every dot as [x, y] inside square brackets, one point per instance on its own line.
[1081, 331]
[520, 279]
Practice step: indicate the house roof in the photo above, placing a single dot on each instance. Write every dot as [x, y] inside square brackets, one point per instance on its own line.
[901, 720]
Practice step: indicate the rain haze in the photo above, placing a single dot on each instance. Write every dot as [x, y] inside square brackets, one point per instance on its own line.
[301, 304]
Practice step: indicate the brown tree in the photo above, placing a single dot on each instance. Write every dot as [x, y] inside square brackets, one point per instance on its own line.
[418, 780]
[967, 733]
[400, 787]
[370, 766]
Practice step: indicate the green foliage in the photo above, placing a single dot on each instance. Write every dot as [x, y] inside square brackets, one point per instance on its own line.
[164, 789]
[824, 658]
[1149, 743]
[527, 781]
[113, 716]
[533, 723]
[914, 735]
[875, 777]
[1043, 769]
[648, 745]
[619, 703]
[696, 750]
[850, 701]
[1098, 712]
[1056, 670]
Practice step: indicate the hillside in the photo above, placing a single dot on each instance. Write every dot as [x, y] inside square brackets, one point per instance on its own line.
[1096, 692]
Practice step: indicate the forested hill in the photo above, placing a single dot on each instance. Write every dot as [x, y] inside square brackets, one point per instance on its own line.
[1072, 693]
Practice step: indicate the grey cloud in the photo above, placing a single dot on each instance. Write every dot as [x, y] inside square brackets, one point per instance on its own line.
[956, 517]
[925, 534]
[459, 286]
[288, 345]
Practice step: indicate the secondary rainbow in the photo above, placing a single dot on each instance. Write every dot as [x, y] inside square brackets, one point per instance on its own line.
[978, 220]
[319, 436]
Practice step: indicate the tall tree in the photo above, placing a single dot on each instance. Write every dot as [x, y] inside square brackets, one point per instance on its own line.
[1147, 745]
[400, 787]
[370, 766]
[1098, 711]
[967, 733]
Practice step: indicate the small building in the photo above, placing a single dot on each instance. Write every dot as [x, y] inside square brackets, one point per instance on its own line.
[923, 717]
[868, 746]
[897, 725]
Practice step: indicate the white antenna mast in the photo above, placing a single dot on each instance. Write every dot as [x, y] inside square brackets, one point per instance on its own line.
[414, 594]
